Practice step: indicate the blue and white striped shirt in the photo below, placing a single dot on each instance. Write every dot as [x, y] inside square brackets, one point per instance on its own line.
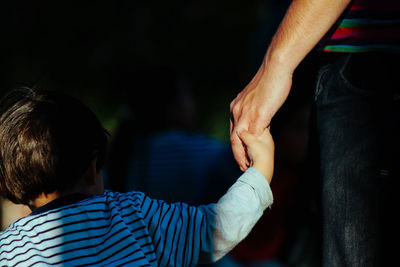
[132, 229]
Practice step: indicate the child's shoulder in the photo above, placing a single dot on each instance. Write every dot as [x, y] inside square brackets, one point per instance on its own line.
[89, 221]
[65, 211]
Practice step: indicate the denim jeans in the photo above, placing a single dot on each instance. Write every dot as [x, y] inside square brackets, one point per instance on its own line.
[357, 116]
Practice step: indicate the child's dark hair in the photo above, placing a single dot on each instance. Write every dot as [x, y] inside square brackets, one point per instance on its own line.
[47, 141]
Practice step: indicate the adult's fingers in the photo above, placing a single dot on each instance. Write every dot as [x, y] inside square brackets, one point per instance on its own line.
[238, 150]
[231, 124]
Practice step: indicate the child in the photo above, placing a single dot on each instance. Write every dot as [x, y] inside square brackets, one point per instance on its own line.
[52, 150]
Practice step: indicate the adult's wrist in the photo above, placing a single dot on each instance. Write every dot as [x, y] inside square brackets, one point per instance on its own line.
[279, 63]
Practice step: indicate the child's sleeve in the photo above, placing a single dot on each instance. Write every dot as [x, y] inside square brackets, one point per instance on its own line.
[239, 210]
[185, 235]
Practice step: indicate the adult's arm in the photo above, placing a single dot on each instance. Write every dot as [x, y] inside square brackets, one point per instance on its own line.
[302, 27]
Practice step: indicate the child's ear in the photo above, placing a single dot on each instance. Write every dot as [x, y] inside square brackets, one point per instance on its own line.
[91, 172]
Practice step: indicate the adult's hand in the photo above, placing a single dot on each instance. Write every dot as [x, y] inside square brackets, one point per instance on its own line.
[255, 106]
[303, 25]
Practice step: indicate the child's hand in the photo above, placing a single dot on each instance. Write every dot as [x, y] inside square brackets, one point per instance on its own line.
[260, 151]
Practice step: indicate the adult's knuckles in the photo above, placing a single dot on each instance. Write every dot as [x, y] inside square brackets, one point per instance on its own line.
[233, 140]
[238, 112]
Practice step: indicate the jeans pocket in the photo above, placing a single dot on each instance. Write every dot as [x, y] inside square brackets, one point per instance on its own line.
[320, 84]
[362, 75]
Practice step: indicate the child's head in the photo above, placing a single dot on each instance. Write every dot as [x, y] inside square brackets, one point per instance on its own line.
[47, 141]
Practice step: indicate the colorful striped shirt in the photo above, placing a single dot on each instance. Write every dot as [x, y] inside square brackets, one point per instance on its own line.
[366, 26]
[131, 229]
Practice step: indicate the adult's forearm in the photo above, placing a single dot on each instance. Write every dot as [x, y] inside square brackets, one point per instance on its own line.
[303, 26]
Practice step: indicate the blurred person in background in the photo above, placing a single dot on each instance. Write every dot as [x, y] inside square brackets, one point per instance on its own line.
[155, 148]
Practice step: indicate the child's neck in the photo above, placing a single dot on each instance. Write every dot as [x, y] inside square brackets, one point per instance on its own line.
[43, 199]
[91, 184]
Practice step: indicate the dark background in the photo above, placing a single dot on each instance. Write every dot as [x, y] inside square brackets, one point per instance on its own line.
[82, 47]
[86, 48]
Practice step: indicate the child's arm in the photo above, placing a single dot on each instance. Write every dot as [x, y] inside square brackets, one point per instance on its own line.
[260, 151]
[244, 203]
[187, 235]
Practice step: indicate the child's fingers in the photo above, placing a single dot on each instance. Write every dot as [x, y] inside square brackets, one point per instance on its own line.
[249, 139]
[245, 136]
[267, 131]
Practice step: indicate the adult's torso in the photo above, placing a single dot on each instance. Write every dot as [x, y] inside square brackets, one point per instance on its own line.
[366, 26]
